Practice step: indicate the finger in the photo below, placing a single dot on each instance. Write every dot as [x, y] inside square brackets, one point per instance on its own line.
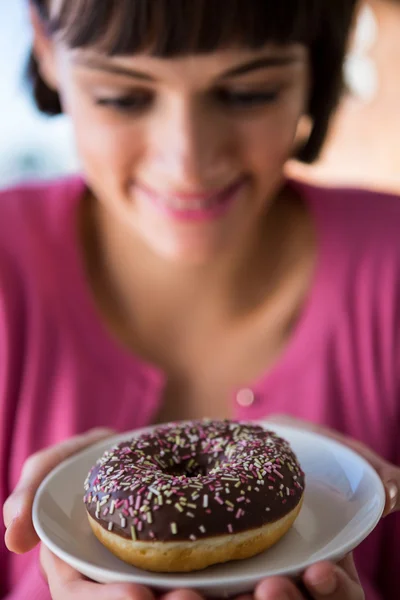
[66, 583]
[333, 582]
[20, 535]
[389, 474]
[277, 588]
[349, 567]
[182, 595]
[392, 488]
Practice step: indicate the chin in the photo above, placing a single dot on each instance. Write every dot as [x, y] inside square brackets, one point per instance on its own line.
[186, 256]
[190, 252]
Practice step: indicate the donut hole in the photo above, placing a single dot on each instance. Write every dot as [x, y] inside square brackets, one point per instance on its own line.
[186, 468]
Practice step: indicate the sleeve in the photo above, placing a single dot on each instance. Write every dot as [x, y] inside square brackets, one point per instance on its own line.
[370, 592]
[31, 585]
[388, 580]
[20, 576]
[389, 568]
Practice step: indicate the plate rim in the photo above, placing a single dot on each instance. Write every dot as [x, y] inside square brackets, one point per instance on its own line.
[176, 580]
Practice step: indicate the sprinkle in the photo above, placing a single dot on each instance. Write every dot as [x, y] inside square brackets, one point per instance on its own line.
[174, 529]
[178, 507]
[205, 501]
[133, 533]
[110, 526]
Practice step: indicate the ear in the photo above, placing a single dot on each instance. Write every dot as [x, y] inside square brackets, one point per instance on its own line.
[43, 48]
[303, 132]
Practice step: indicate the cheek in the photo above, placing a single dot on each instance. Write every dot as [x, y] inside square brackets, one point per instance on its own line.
[109, 144]
[270, 141]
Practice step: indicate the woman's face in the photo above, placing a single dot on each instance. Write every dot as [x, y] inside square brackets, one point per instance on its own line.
[186, 153]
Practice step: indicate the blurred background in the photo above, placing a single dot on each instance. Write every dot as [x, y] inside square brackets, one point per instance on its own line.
[363, 146]
[31, 145]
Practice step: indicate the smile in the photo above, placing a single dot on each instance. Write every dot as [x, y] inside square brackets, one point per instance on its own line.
[201, 206]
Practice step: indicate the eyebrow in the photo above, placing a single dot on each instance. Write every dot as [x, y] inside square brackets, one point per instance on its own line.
[266, 62]
[248, 67]
[101, 65]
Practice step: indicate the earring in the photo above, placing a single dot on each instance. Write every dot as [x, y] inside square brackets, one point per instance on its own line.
[360, 71]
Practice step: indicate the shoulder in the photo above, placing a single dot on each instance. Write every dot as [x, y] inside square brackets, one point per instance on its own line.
[36, 223]
[364, 222]
[35, 210]
[358, 235]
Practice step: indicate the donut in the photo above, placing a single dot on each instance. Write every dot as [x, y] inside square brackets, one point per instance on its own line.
[184, 496]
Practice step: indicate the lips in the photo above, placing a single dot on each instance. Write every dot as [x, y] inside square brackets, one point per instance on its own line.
[193, 205]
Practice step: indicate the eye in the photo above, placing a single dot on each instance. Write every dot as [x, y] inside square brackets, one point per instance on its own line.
[247, 99]
[132, 103]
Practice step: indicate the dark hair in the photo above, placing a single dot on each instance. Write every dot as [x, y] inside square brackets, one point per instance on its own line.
[168, 28]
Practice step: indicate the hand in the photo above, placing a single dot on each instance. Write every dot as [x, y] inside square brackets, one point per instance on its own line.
[390, 474]
[17, 510]
[321, 581]
[67, 584]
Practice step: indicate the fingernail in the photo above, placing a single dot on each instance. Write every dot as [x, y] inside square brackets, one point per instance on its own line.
[12, 509]
[393, 493]
[326, 586]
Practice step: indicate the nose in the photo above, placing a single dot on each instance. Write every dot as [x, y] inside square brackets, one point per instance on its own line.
[193, 147]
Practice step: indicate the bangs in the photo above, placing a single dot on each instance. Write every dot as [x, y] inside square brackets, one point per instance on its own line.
[172, 28]
[168, 28]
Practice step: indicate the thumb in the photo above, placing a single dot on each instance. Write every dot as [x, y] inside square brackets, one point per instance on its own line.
[20, 536]
[389, 474]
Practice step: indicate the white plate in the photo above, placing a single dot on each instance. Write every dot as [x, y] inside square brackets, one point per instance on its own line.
[343, 502]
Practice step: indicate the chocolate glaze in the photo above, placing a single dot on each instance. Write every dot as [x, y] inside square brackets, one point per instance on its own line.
[194, 480]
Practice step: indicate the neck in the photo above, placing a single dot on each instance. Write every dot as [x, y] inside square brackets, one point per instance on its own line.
[384, 9]
[387, 14]
[153, 294]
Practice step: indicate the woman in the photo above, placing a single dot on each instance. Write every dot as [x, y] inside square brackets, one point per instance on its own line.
[183, 275]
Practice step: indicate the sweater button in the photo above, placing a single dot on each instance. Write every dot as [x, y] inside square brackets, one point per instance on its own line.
[245, 397]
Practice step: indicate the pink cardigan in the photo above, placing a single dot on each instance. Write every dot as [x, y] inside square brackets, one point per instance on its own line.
[61, 372]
